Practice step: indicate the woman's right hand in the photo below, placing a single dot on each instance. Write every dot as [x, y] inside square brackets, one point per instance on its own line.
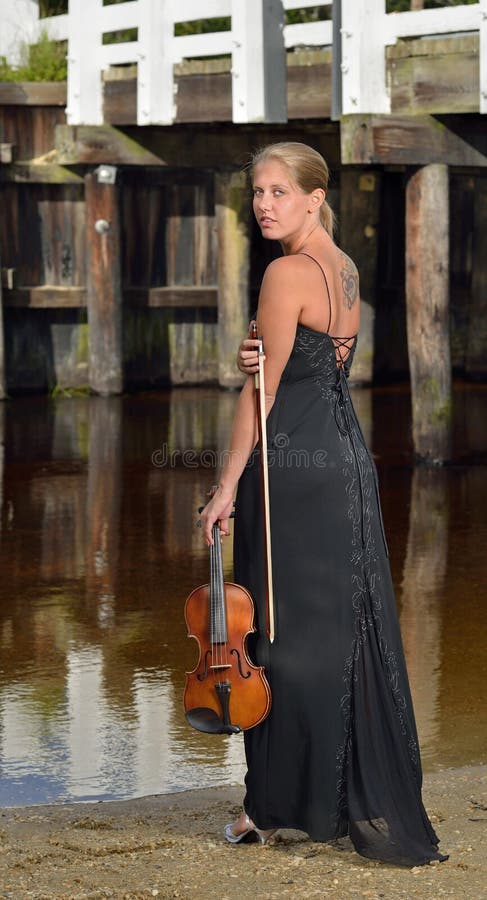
[248, 354]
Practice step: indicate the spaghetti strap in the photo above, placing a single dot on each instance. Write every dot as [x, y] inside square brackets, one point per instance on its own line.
[301, 253]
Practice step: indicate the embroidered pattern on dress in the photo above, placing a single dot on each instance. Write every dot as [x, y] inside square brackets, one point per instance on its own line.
[359, 474]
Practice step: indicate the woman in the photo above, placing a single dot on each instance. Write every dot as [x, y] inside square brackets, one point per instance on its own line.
[338, 753]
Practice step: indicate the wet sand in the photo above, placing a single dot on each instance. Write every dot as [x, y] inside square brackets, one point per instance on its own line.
[171, 846]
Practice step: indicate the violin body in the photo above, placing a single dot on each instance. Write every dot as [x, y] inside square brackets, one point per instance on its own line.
[225, 693]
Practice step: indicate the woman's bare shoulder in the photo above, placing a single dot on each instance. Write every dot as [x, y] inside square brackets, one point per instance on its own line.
[286, 265]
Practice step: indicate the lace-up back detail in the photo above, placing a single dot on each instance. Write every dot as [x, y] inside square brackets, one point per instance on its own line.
[343, 345]
[343, 348]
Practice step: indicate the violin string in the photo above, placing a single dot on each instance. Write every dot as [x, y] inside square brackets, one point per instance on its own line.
[219, 588]
[224, 633]
[215, 647]
[224, 607]
[213, 583]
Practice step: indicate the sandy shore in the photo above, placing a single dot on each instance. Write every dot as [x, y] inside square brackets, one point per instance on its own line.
[171, 846]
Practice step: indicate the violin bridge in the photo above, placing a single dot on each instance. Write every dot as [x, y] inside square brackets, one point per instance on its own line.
[221, 666]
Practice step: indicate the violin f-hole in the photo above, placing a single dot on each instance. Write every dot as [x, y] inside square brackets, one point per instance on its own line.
[239, 663]
[202, 675]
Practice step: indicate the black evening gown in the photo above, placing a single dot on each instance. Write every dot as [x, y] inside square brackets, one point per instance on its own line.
[338, 753]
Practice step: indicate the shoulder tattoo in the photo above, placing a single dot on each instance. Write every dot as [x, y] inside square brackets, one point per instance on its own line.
[349, 277]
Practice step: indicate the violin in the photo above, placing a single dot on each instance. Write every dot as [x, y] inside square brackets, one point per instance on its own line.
[225, 693]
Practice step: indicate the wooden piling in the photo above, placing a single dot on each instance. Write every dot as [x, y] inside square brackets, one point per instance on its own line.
[359, 238]
[3, 384]
[427, 308]
[477, 330]
[232, 218]
[104, 283]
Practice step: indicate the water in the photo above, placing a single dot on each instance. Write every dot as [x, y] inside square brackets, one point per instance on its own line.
[98, 550]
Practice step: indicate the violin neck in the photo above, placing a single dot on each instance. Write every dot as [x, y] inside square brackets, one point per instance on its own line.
[218, 614]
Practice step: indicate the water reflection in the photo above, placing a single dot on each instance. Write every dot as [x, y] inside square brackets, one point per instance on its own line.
[422, 590]
[99, 550]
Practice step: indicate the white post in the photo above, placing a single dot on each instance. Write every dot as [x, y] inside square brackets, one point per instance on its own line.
[85, 90]
[18, 26]
[483, 57]
[155, 83]
[363, 65]
[258, 61]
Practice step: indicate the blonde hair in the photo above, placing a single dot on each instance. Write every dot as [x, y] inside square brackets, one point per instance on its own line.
[307, 168]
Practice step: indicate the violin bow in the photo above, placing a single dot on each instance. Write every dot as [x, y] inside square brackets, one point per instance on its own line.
[264, 477]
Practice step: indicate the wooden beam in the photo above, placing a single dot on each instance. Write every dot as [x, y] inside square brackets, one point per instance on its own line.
[57, 297]
[45, 297]
[171, 297]
[405, 140]
[233, 229]
[33, 93]
[44, 173]
[180, 145]
[427, 285]
[104, 300]
[94, 144]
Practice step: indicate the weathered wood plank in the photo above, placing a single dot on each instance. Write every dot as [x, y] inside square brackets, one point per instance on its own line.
[444, 45]
[56, 297]
[427, 302]
[173, 297]
[309, 91]
[434, 76]
[100, 144]
[120, 101]
[104, 298]
[42, 233]
[33, 93]
[46, 297]
[30, 128]
[233, 227]
[197, 100]
[405, 140]
[45, 173]
[207, 96]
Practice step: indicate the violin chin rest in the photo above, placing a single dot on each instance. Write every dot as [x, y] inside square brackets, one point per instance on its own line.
[205, 719]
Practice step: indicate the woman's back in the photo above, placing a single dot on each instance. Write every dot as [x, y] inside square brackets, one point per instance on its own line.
[329, 288]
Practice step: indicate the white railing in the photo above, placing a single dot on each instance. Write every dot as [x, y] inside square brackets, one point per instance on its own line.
[366, 30]
[256, 42]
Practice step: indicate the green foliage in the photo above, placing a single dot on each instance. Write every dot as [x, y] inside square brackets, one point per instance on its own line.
[43, 61]
[52, 7]
[405, 5]
[311, 14]
[202, 26]
[120, 37]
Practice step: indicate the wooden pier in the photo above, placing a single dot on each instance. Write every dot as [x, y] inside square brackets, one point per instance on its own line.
[150, 279]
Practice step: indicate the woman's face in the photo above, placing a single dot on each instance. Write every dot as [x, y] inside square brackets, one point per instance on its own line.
[280, 206]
